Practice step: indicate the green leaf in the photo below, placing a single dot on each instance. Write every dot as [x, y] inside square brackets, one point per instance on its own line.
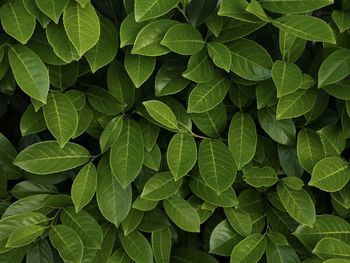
[198, 11]
[160, 186]
[113, 201]
[334, 68]
[291, 46]
[106, 47]
[84, 186]
[333, 140]
[296, 104]
[181, 155]
[161, 245]
[119, 256]
[129, 29]
[206, 96]
[160, 112]
[281, 131]
[216, 165]
[226, 198]
[292, 7]
[250, 60]
[287, 77]
[182, 214]
[330, 174]
[24, 235]
[61, 117]
[147, 42]
[324, 226]
[16, 21]
[236, 10]
[220, 55]
[261, 177]
[75, 20]
[137, 247]
[67, 242]
[330, 247]
[183, 39]
[239, 220]
[29, 71]
[47, 157]
[111, 133]
[309, 148]
[223, 239]
[317, 29]
[127, 154]
[249, 249]
[298, 204]
[341, 19]
[40, 252]
[199, 68]
[31, 121]
[242, 138]
[152, 8]
[139, 68]
[52, 8]
[281, 253]
[149, 134]
[109, 236]
[152, 159]
[84, 225]
[132, 221]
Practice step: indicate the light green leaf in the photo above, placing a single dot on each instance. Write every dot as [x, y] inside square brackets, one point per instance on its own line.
[24, 235]
[216, 165]
[111, 133]
[16, 21]
[132, 221]
[281, 253]
[261, 177]
[149, 133]
[61, 117]
[239, 220]
[182, 214]
[147, 41]
[237, 10]
[220, 55]
[330, 247]
[52, 8]
[127, 153]
[334, 68]
[309, 149]
[199, 69]
[341, 19]
[161, 245]
[330, 174]
[250, 60]
[249, 249]
[29, 71]
[106, 47]
[296, 104]
[129, 29]
[183, 39]
[84, 225]
[67, 242]
[145, 10]
[292, 6]
[31, 121]
[113, 201]
[160, 112]
[223, 239]
[333, 140]
[160, 186]
[84, 186]
[181, 154]
[35, 11]
[153, 158]
[82, 2]
[137, 247]
[206, 96]
[317, 29]
[82, 26]
[324, 226]
[139, 68]
[287, 77]
[58, 39]
[242, 138]
[298, 204]
[47, 157]
[291, 46]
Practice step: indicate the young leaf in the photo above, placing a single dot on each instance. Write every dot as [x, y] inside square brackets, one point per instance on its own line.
[182, 214]
[29, 71]
[242, 138]
[61, 117]
[330, 174]
[216, 165]
[181, 155]
[48, 157]
[84, 186]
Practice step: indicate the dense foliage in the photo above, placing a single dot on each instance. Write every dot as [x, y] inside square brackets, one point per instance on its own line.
[174, 131]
